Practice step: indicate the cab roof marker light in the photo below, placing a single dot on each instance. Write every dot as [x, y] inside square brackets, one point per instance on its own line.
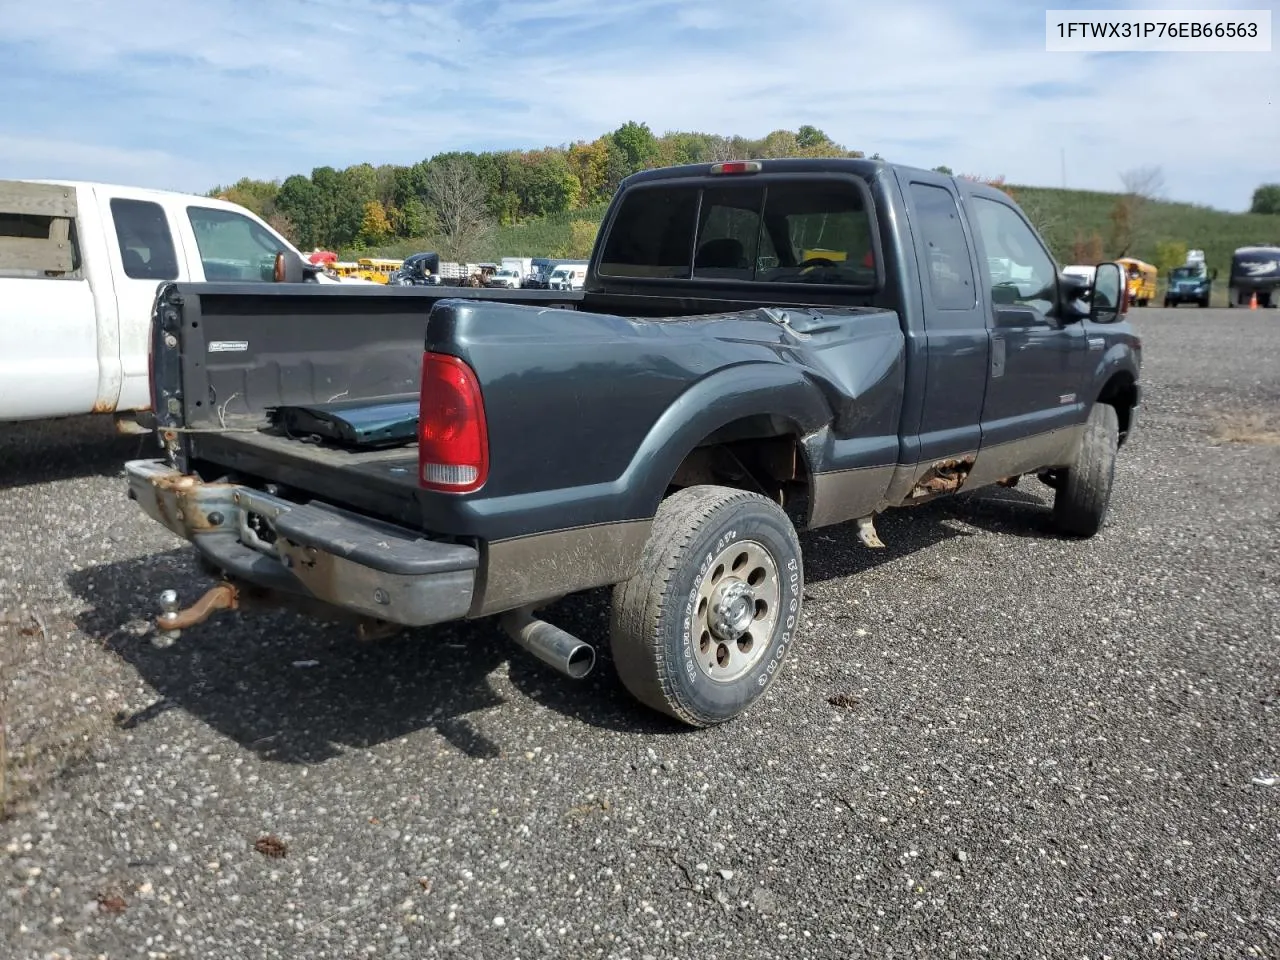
[737, 166]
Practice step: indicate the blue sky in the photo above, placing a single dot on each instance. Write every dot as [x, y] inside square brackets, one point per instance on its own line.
[184, 95]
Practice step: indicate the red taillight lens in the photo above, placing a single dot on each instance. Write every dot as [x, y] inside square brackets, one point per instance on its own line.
[737, 166]
[453, 444]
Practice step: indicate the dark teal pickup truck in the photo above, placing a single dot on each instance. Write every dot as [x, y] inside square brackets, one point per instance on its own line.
[761, 347]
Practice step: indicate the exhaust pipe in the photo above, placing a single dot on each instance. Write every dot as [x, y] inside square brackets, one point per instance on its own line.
[550, 644]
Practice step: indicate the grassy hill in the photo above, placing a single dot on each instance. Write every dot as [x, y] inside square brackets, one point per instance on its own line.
[1064, 217]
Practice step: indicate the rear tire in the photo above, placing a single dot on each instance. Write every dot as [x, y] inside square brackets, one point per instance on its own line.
[1080, 506]
[711, 548]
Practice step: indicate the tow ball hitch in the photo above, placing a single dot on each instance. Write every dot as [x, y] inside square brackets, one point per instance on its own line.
[172, 621]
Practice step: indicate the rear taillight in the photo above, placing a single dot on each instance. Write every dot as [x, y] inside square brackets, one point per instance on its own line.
[453, 443]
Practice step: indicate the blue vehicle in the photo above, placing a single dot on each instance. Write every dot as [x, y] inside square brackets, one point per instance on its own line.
[1190, 283]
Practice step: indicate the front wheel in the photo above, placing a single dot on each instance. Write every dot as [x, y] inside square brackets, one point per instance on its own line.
[706, 624]
[1084, 494]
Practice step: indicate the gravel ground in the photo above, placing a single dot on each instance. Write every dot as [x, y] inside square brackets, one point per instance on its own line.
[1037, 748]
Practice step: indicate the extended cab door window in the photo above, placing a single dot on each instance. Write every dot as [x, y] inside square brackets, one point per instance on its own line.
[948, 265]
[146, 245]
[233, 247]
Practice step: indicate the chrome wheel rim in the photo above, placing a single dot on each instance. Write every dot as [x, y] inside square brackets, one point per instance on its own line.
[736, 609]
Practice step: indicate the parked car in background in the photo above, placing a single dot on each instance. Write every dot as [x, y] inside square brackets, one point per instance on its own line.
[79, 267]
[506, 276]
[1190, 283]
[568, 276]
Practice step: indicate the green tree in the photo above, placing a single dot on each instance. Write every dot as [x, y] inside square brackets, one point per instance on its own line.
[257, 195]
[638, 145]
[779, 143]
[1266, 199]
[944, 169]
[546, 183]
[412, 219]
[808, 137]
[299, 199]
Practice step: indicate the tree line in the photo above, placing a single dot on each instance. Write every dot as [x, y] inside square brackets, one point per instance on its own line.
[457, 198]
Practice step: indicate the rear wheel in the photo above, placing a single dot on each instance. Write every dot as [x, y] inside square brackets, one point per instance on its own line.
[707, 623]
[1084, 492]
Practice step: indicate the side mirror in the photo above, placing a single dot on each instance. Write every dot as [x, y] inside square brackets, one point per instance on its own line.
[292, 269]
[1107, 302]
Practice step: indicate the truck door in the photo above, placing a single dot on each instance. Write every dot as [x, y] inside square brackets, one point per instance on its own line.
[144, 254]
[955, 320]
[1037, 361]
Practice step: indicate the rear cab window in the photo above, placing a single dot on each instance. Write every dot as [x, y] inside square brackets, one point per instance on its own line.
[771, 229]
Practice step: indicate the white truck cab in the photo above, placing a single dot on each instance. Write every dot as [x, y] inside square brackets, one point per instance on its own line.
[80, 264]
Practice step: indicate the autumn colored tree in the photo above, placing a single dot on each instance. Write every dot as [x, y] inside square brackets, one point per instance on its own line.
[375, 226]
[329, 207]
[1088, 249]
[589, 163]
[1122, 219]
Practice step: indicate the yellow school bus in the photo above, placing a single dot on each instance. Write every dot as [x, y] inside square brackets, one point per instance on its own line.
[376, 269]
[1142, 280]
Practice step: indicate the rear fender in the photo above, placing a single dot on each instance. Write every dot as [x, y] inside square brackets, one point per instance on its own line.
[791, 400]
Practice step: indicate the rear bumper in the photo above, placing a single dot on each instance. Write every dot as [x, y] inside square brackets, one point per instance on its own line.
[316, 551]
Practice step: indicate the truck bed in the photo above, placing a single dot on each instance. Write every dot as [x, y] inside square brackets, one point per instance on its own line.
[561, 456]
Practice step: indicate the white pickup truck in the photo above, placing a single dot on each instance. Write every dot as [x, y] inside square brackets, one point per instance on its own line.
[80, 264]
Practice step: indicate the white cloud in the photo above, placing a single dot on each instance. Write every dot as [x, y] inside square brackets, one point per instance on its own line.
[41, 158]
[275, 89]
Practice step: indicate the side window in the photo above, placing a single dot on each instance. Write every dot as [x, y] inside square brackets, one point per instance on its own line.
[729, 233]
[146, 246]
[652, 235]
[1021, 272]
[233, 247]
[950, 269]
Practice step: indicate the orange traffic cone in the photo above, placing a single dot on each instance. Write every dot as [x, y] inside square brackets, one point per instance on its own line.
[1253, 300]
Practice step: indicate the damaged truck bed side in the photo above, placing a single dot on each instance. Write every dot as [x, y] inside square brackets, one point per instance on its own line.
[761, 347]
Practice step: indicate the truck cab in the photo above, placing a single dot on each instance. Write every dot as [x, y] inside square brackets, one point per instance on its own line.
[75, 341]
